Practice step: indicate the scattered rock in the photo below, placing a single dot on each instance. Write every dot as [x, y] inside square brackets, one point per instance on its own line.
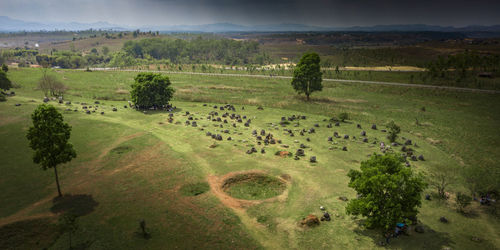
[115, 109]
[363, 133]
[365, 139]
[358, 126]
[374, 126]
[343, 198]
[443, 219]
[344, 148]
[476, 239]
[17, 104]
[312, 159]
[408, 142]
[346, 137]
[421, 158]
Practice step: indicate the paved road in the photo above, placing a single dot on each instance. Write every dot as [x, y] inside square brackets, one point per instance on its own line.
[324, 79]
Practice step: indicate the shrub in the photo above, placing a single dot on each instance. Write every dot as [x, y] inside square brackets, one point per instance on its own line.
[343, 116]
[462, 201]
[394, 130]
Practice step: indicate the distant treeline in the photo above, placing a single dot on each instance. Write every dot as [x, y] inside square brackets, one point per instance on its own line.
[462, 65]
[198, 50]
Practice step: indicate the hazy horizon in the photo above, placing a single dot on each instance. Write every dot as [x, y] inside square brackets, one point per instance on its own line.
[335, 13]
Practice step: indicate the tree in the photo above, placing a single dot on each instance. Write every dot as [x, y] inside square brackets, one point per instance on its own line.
[105, 50]
[5, 68]
[151, 90]
[394, 130]
[50, 85]
[49, 137]
[388, 192]
[5, 83]
[307, 75]
[440, 181]
[69, 224]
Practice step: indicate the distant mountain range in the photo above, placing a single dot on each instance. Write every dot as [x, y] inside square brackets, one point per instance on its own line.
[8, 24]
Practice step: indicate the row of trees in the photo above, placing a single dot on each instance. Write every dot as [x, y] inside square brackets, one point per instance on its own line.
[197, 50]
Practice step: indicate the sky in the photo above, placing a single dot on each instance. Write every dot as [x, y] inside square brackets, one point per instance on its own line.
[330, 13]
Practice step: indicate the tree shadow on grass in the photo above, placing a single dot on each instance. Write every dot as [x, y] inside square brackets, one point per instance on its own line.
[78, 204]
[38, 233]
[430, 239]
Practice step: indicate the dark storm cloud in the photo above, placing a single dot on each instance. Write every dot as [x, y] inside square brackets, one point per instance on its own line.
[315, 12]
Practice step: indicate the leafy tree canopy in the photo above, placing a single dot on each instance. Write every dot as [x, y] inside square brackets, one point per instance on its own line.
[49, 137]
[151, 90]
[388, 192]
[307, 76]
[5, 83]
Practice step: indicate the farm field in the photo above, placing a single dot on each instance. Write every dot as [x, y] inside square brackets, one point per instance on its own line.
[133, 165]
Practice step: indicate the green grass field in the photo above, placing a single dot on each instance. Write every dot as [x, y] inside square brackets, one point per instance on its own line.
[133, 165]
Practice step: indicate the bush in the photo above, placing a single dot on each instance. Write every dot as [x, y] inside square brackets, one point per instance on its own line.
[2, 97]
[343, 116]
[394, 130]
[462, 201]
[151, 90]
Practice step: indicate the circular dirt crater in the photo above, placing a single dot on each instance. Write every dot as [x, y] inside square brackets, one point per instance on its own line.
[253, 186]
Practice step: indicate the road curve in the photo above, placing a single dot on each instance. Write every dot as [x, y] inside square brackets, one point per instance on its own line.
[324, 79]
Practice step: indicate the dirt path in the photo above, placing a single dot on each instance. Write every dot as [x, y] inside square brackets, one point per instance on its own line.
[325, 79]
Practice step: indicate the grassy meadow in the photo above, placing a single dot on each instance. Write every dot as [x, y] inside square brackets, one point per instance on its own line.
[133, 165]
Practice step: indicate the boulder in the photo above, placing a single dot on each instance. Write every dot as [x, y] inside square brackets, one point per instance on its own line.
[363, 133]
[374, 126]
[343, 198]
[312, 159]
[300, 152]
[408, 142]
[17, 104]
[336, 134]
[87, 112]
[358, 126]
[337, 124]
[346, 137]
[46, 99]
[115, 109]
[229, 138]
[365, 139]
[262, 151]
[421, 158]
[419, 229]
[316, 125]
[443, 219]
[344, 148]
[102, 113]
[330, 138]
[413, 158]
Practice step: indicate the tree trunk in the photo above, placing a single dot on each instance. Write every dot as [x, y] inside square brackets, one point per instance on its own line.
[57, 182]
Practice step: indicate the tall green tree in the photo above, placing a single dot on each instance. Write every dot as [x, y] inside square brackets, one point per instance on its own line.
[49, 137]
[388, 192]
[5, 83]
[307, 76]
[151, 90]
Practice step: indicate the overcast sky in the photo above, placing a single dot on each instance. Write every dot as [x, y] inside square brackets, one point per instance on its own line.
[334, 13]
